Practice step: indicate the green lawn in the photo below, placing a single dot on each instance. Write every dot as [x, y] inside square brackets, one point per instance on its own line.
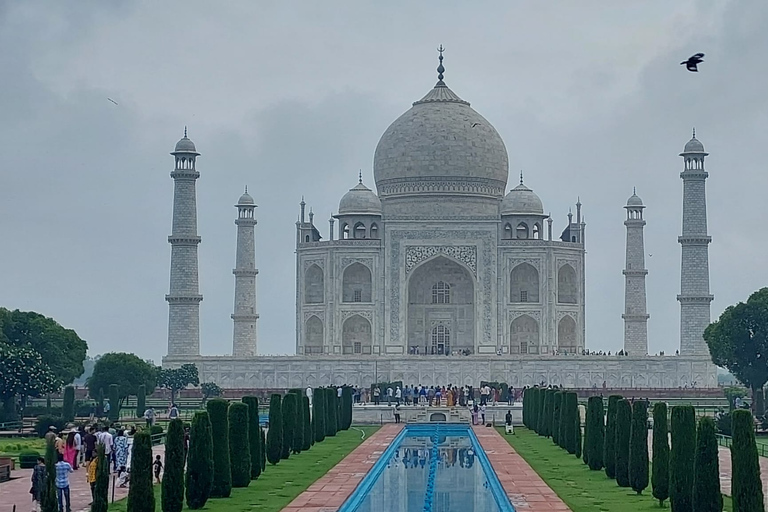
[280, 484]
[11, 447]
[580, 488]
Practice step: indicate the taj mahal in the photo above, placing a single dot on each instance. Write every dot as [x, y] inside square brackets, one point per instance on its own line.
[445, 274]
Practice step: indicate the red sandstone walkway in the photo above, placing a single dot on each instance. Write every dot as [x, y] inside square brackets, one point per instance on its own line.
[329, 492]
[524, 487]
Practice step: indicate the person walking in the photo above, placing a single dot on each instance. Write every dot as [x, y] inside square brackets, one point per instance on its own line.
[475, 411]
[105, 410]
[158, 466]
[63, 469]
[89, 444]
[70, 452]
[482, 413]
[398, 395]
[397, 413]
[149, 416]
[105, 438]
[121, 450]
[39, 479]
[79, 455]
[91, 476]
[309, 394]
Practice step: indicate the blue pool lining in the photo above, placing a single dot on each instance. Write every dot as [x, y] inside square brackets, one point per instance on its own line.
[502, 500]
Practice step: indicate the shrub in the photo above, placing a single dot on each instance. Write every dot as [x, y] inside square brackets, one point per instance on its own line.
[318, 415]
[660, 466]
[114, 402]
[706, 469]
[275, 432]
[595, 433]
[141, 401]
[222, 471]
[638, 447]
[254, 435]
[609, 451]
[331, 427]
[141, 497]
[308, 434]
[172, 489]
[101, 487]
[28, 459]
[346, 408]
[289, 424]
[623, 427]
[298, 426]
[199, 461]
[43, 423]
[156, 430]
[682, 458]
[239, 445]
[48, 499]
[68, 410]
[557, 400]
[747, 490]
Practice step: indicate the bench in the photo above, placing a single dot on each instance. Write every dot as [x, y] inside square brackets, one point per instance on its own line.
[6, 465]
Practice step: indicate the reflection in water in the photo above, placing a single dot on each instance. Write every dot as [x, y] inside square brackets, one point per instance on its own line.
[459, 481]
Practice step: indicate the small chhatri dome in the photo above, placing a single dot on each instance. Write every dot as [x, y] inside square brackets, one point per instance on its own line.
[521, 201]
[694, 145]
[634, 200]
[245, 199]
[185, 145]
[360, 200]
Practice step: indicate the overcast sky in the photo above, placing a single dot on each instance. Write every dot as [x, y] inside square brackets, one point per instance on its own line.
[291, 98]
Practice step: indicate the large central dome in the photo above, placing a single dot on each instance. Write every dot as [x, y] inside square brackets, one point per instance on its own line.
[441, 146]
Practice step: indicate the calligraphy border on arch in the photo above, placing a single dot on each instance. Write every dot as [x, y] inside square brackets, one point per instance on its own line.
[415, 254]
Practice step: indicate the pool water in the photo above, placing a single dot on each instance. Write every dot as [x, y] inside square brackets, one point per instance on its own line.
[431, 468]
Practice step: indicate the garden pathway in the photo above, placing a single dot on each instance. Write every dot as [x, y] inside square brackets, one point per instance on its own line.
[329, 492]
[16, 491]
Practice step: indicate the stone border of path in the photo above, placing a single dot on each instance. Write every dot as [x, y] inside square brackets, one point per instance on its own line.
[524, 487]
[329, 492]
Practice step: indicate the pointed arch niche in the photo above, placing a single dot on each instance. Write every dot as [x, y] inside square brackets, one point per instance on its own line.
[314, 283]
[566, 335]
[356, 283]
[313, 335]
[567, 285]
[356, 336]
[524, 283]
[524, 335]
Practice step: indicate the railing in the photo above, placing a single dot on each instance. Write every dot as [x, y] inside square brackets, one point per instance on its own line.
[727, 441]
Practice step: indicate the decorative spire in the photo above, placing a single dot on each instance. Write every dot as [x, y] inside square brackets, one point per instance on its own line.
[694, 132]
[360, 176]
[302, 203]
[634, 191]
[246, 189]
[440, 68]
[185, 131]
[521, 176]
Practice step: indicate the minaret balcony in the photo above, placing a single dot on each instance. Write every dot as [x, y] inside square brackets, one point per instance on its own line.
[245, 272]
[244, 317]
[635, 273]
[188, 174]
[184, 299]
[695, 299]
[184, 240]
[246, 221]
[636, 318]
[694, 239]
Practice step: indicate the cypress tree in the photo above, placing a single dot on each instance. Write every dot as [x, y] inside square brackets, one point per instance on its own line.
[222, 470]
[254, 435]
[346, 408]
[585, 450]
[746, 487]
[567, 431]
[141, 401]
[542, 427]
[526, 406]
[623, 427]
[577, 429]
[758, 402]
[638, 447]
[318, 415]
[172, 487]
[609, 451]
[532, 407]
[263, 449]
[114, 402]
[298, 432]
[682, 458]
[562, 434]
[289, 424]
[308, 434]
[595, 433]
[68, 409]
[330, 412]
[557, 400]
[239, 444]
[199, 478]
[706, 469]
[337, 403]
[101, 488]
[141, 496]
[275, 432]
[547, 419]
[48, 410]
[48, 500]
[540, 394]
[660, 466]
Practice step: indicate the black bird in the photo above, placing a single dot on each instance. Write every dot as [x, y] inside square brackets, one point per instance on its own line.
[475, 124]
[693, 61]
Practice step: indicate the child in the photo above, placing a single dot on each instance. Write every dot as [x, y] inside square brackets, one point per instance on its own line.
[91, 476]
[158, 466]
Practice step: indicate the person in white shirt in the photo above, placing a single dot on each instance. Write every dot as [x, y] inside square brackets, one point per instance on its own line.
[398, 395]
[79, 455]
[339, 391]
[309, 394]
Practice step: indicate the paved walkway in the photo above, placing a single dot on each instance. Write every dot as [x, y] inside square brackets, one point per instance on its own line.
[524, 487]
[16, 491]
[329, 492]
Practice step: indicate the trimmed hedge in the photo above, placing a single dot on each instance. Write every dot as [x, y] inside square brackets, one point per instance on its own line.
[222, 470]
[308, 434]
[298, 430]
[318, 414]
[28, 459]
[526, 407]
[68, 409]
[346, 408]
[577, 429]
[706, 470]
[660, 466]
[275, 432]
[595, 433]
[331, 426]
[609, 451]
[746, 488]
[289, 424]
[623, 428]
[141, 401]
[570, 419]
[638, 447]
[114, 403]
[254, 435]
[263, 450]
[172, 487]
[199, 477]
[141, 496]
[557, 400]
[682, 457]
[549, 395]
[239, 444]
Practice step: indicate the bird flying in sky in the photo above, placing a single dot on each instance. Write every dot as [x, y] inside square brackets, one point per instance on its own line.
[113, 101]
[693, 61]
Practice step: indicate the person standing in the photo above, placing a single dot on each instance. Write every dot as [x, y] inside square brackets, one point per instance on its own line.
[390, 394]
[79, 446]
[376, 395]
[105, 410]
[89, 444]
[173, 413]
[482, 413]
[158, 466]
[149, 415]
[39, 478]
[63, 469]
[309, 394]
[397, 413]
[105, 438]
[398, 395]
[70, 453]
[121, 450]
[91, 476]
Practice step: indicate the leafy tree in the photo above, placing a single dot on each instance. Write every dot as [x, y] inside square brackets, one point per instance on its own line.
[254, 435]
[239, 444]
[210, 390]
[199, 478]
[178, 378]
[141, 497]
[557, 400]
[638, 447]
[318, 415]
[609, 449]
[101, 488]
[346, 408]
[681, 458]
[128, 371]
[68, 409]
[308, 433]
[48, 500]
[746, 487]
[660, 475]
[595, 433]
[289, 424]
[61, 349]
[623, 428]
[23, 373]
[114, 402]
[738, 340]
[275, 432]
[222, 471]
[172, 490]
[706, 470]
[141, 401]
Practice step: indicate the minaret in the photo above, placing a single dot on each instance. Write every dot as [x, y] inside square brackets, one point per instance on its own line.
[694, 269]
[245, 316]
[635, 314]
[184, 296]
